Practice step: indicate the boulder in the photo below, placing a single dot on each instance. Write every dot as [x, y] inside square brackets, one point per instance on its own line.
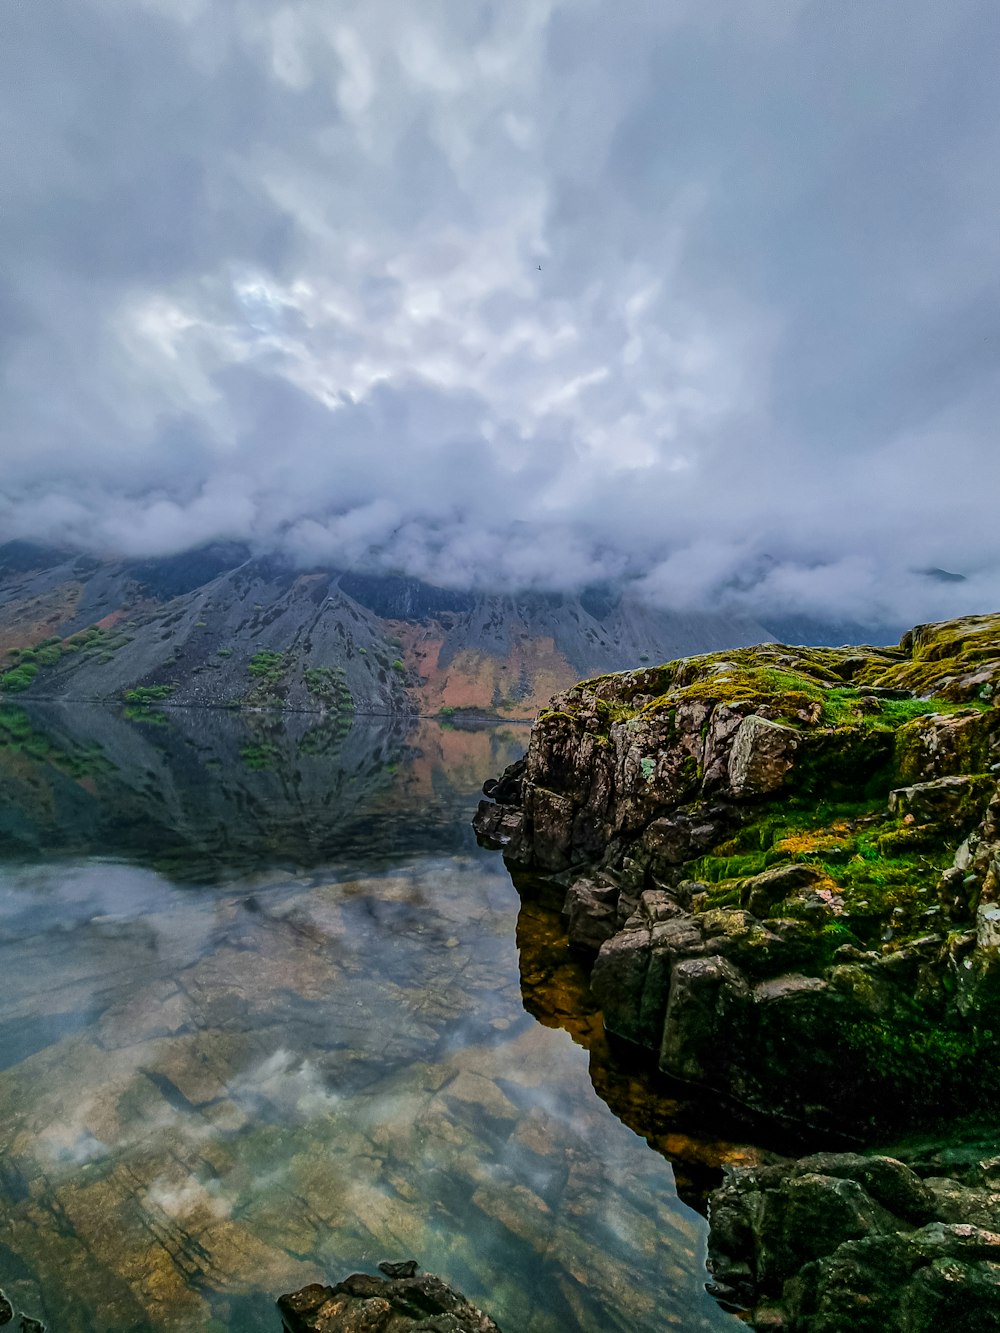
[497, 825]
[847, 1240]
[761, 757]
[617, 983]
[839, 944]
[363, 1303]
[705, 1013]
[590, 913]
[762, 893]
[506, 789]
[943, 1277]
[943, 744]
[955, 800]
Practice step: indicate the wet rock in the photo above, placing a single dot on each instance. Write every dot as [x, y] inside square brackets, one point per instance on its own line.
[942, 1277]
[366, 1304]
[550, 818]
[497, 824]
[977, 1203]
[618, 981]
[25, 1324]
[888, 1181]
[988, 926]
[654, 907]
[784, 1237]
[705, 1011]
[670, 841]
[506, 789]
[590, 913]
[404, 1268]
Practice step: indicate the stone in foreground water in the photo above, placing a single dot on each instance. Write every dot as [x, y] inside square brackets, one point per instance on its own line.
[382, 1305]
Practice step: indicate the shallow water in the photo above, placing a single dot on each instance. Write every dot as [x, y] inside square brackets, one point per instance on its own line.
[262, 1023]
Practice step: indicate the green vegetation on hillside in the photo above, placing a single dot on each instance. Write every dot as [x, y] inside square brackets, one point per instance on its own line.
[269, 670]
[147, 694]
[327, 685]
[24, 664]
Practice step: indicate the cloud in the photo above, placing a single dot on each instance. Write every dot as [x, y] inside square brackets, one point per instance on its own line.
[522, 294]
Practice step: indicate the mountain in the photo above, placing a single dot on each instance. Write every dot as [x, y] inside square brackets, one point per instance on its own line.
[220, 627]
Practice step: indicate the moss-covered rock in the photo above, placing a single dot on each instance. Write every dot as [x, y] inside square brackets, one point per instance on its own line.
[832, 808]
[842, 1240]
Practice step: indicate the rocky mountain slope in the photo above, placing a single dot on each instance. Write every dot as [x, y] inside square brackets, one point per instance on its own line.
[218, 627]
[785, 865]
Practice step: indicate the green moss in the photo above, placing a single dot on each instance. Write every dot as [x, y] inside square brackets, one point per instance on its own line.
[557, 714]
[945, 659]
[723, 868]
[934, 1065]
[843, 761]
[884, 871]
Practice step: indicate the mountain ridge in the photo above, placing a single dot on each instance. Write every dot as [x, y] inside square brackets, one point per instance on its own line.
[223, 627]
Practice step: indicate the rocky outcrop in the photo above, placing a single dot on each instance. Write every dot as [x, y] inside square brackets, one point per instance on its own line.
[839, 1241]
[784, 862]
[396, 1303]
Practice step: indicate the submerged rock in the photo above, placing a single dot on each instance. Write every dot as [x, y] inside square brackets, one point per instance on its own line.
[397, 1303]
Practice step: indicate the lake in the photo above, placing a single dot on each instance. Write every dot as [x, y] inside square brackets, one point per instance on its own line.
[269, 1015]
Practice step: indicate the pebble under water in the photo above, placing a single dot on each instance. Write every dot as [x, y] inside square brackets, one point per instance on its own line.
[262, 1023]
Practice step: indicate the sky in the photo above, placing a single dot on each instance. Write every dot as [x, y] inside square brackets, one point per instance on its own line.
[699, 298]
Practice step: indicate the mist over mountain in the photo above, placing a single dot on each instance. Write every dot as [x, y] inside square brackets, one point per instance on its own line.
[506, 297]
[220, 627]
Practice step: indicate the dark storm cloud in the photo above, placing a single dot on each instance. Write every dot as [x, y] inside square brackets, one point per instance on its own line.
[701, 297]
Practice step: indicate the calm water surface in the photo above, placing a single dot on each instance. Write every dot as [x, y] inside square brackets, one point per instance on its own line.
[261, 1024]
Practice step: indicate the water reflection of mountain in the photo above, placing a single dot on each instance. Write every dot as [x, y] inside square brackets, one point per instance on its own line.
[206, 793]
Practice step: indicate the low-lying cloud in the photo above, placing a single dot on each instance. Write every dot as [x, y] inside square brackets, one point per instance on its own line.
[532, 294]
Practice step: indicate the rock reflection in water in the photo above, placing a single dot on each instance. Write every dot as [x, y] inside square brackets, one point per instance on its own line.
[212, 1095]
[694, 1134]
